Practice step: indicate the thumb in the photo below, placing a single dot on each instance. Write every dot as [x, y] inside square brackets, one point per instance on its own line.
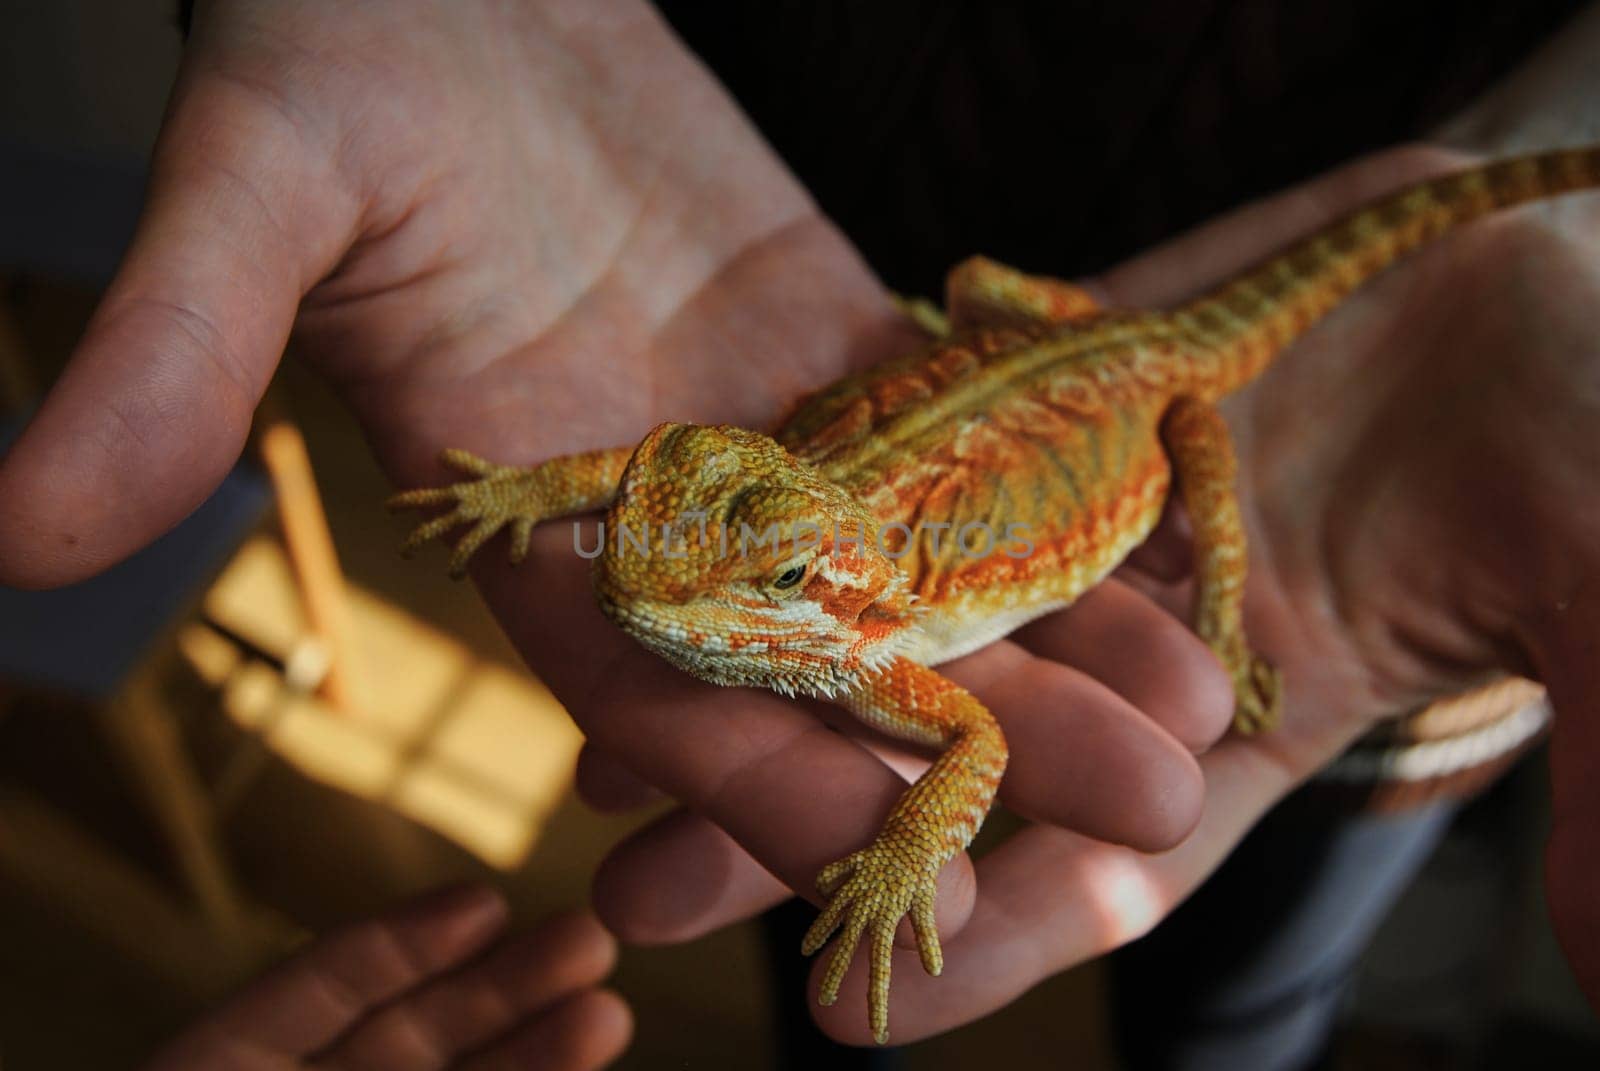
[154, 406]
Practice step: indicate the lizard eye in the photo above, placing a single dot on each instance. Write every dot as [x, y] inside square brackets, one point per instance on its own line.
[789, 577]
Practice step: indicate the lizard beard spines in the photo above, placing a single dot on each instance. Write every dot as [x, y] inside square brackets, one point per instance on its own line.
[796, 647]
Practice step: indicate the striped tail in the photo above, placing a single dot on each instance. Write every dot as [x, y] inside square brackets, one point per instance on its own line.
[1249, 319]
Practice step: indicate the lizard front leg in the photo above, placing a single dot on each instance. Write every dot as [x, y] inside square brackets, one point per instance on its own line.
[1197, 440]
[871, 890]
[505, 494]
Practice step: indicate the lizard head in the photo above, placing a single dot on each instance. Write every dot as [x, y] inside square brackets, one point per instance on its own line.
[740, 564]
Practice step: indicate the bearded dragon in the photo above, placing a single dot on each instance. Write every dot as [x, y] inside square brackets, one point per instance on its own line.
[922, 508]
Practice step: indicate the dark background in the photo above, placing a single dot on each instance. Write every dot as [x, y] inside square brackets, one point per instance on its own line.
[1062, 137]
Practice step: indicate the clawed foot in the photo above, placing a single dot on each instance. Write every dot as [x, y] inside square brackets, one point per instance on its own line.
[869, 892]
[499, 495]
[1258, 695]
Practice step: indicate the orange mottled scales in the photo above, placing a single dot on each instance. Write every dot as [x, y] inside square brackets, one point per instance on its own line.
[925, 507]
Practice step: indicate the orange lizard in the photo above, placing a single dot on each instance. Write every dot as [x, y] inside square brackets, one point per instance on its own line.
[925, 507]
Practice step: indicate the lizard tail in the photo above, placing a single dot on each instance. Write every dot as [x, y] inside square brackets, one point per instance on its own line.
[1249, 319]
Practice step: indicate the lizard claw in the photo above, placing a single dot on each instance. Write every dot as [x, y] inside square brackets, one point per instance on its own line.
[470, 463]
[498, 496]
[869, 892]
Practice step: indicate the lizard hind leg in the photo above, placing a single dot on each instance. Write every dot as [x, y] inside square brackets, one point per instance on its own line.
[980, 292]
[498, 496]
[1197, 440]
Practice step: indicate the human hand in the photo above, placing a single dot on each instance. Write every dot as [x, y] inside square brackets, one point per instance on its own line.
[434, 984]
[525, 230]
[417, 177]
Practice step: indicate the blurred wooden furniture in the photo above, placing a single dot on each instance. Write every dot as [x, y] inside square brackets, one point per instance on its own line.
[316, 565]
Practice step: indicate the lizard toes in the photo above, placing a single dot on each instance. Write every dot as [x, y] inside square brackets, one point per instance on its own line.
[468, 462]
[429, 530]
[876, 888]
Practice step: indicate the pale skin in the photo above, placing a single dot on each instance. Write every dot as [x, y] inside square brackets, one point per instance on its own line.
[518, 334]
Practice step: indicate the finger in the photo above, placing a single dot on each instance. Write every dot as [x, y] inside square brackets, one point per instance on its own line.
[1050, 899]
[637, 892]
[459, 1012]
[584, 1032]
[608, 786]
[319, 993]
[1145, 655]
[155, 404]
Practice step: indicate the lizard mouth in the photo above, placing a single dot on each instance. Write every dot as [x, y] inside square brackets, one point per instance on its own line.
[691, 644]
[795, 649]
